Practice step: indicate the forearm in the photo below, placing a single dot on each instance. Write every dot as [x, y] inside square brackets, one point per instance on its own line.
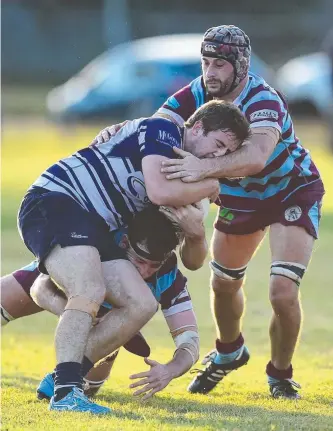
[244, 162]
[177, 193]
[180, 363]
[193, 251]
[249, 159]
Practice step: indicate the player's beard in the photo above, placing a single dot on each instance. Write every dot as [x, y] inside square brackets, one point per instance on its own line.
[220, 89]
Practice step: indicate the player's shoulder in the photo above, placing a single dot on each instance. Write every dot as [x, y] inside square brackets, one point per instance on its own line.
[258, 88]
[191, 94]
[162, 130]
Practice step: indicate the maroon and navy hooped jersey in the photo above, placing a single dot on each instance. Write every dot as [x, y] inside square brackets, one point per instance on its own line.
[288, 169]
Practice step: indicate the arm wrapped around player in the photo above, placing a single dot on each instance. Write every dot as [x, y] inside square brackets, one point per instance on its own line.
[190, 222]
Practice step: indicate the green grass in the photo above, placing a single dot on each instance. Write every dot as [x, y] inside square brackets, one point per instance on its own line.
[242, 402]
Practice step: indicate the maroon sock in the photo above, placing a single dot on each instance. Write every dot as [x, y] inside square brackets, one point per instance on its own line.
[271, 371]
[230, 347]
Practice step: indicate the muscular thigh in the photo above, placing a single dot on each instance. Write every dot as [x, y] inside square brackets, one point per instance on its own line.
[76, 269]
[290, 244]
[234, 251]
[124, 283]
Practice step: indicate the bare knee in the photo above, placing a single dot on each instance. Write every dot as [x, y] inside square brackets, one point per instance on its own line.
[38, 290]
[284, 295]
[224, 287]
[145, 307]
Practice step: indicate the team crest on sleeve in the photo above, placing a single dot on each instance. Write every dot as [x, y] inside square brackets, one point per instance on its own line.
[264, 114]
[293, 213]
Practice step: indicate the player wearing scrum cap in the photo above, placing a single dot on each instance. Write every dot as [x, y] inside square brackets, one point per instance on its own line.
[67, 212]
[149, 242]
[270, 182]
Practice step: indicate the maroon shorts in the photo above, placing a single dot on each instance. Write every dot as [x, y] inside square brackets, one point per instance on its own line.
[302, 208]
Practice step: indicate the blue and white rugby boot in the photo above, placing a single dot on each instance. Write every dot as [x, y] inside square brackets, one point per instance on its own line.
[45, 388]
[207, 379]
[76, 401]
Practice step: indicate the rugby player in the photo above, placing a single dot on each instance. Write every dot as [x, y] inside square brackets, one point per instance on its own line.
[149, 230]
[68, 211]
[271, 181]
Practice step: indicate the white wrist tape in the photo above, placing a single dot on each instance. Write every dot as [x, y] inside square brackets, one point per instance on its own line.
[189, 341]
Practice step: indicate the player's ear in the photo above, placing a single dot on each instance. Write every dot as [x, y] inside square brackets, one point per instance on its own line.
[197, 128]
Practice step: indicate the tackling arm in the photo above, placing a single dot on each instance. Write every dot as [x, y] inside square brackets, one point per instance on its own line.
[247, 160]
[174, 193]
[190, 220]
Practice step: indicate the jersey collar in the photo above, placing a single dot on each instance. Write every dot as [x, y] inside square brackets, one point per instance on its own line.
[244, 92]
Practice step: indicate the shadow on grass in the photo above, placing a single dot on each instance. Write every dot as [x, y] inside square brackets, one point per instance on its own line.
[210, 413]
[232, 416]
[18, 381]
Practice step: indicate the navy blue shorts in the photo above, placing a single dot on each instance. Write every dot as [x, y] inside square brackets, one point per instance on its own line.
[48, 218]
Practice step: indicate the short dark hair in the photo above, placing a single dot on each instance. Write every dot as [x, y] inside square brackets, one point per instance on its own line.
[220, 115]
[156, 230]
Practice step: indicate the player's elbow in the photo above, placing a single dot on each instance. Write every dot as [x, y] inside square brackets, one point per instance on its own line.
[192, 266]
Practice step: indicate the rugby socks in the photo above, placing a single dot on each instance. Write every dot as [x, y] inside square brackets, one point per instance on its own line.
[87, 365]
[67, 375]
[274, 375]
[228, 352]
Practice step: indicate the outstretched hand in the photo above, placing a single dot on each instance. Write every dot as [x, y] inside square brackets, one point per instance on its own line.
[152, 381]
[189, 168]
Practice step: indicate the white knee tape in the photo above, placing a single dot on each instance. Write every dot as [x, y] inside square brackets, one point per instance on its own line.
[291, 270]
[226, 273]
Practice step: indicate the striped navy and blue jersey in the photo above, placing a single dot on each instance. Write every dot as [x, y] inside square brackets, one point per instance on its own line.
[288, 169]
[107, 178]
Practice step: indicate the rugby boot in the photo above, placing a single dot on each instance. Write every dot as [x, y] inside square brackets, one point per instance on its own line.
[45, 388]
[285, 389]
[76, 401]
[207, 379]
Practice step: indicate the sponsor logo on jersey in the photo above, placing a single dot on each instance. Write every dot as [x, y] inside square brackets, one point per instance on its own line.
[167, 138]
[138, 189]
[78, 235]
[264, 114]
[226, 216]
[293, 213]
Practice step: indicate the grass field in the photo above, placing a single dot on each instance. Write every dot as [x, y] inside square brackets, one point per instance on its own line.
[242, 402]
